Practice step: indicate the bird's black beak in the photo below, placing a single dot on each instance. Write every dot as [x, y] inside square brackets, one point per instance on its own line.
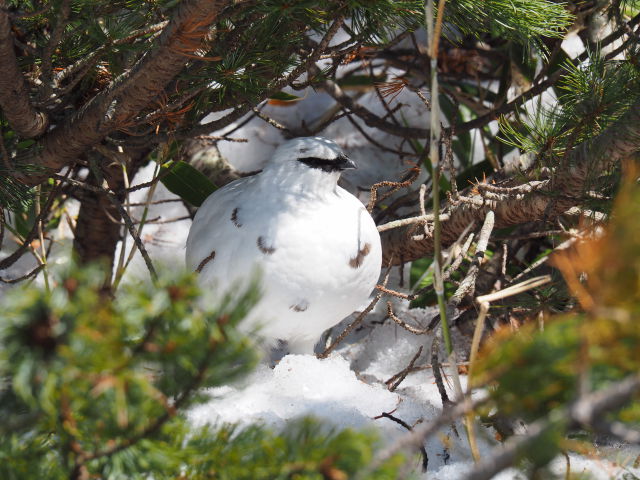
[345, 163]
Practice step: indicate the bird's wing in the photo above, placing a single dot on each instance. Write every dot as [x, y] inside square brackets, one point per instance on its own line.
[217, 243]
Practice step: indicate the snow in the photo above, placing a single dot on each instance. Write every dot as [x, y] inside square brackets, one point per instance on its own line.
[297, 385]
[347, 390]
[332, 390]
[572, 45]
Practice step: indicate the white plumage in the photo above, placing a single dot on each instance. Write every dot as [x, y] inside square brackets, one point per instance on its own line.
[315, 245]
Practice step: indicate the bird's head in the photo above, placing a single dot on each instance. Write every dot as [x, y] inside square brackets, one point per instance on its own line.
[311, 154]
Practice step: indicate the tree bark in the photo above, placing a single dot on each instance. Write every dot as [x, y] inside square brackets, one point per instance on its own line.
[16, 106]
[99, 223]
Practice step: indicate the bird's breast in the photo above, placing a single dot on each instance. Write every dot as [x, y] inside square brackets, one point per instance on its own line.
[324, 247]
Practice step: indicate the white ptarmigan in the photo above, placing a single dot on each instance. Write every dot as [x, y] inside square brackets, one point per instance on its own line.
[315, 245]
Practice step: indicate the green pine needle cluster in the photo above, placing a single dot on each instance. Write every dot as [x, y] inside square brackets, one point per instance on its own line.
[590, 98]
[14, 195]
[522, 21]
[92, 385]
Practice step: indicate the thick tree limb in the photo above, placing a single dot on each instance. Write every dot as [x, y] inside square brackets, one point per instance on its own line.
[117, 105]
[98, 227]
[544, 200]
[14, 93]
[98, 224]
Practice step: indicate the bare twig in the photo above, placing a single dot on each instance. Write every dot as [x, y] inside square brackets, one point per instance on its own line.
[394, 187]
[403, 222]
[270, 121]
[54, 39]
[159, 220]
[422, 432]
[423, 451]
[437, 372]
[2, 220]
[459, 258]
[394, 382]
[206, 128]
[350, 327]
[384, 148]
[43, 250]
[406, 326]
[26, 276]
[468, 284]
[355, 323]
[484, 302]
[155, 202]
[309, 62]
[563, 246]
[134, 234]
[514, 289]
[369, 118]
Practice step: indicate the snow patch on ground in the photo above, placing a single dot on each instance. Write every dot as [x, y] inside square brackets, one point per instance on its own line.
[302, 385]
[298, 385]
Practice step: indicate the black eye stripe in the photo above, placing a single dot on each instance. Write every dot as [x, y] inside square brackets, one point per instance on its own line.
[327, 165]
[315, 162]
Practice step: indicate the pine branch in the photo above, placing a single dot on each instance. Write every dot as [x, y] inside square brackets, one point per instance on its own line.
[155, 426]
[56, 36]
[529, 201]
[539, 85]
[14, 94]
[9, 260]
[116, 105]
[75, 72]
[240, 110]
[369, 118]
[588, 411]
